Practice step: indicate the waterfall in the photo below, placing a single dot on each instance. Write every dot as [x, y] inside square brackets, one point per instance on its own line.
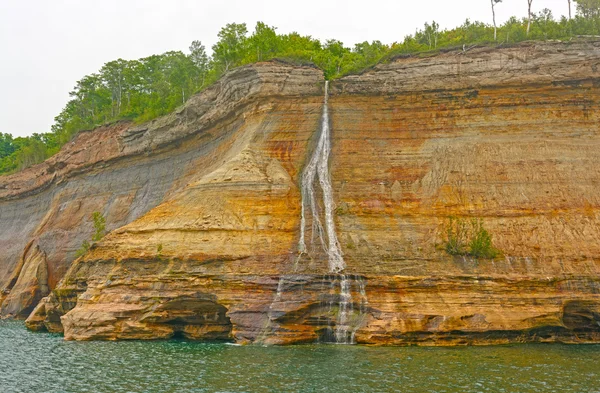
[346, 321]
[345, 311]
[318, 167]
[343, 318]
[362, 311]
[343, 314]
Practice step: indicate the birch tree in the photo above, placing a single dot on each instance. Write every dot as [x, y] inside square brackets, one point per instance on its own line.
[529, 15]
[264, 43]
[112, 74]
[494, 2]
[229, 50]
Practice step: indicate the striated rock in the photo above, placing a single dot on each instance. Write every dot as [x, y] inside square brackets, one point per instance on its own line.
[508, 135]
[526, 63]
[124, 170]
[30, 284]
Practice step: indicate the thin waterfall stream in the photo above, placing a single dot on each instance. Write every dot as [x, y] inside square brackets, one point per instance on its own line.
[318, 166]
[344, 318]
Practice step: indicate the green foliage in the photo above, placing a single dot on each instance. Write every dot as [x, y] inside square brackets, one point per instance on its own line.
[153, 86]
[429, 35]
[481, 245]
[589, 9]
[229, 51]
[85, 246]
[7, 145]
[200, 59]
[469, 240]
[99, 226]
[99, 232]
[456, 237]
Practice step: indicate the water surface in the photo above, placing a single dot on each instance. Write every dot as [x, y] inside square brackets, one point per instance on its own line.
[42, 362]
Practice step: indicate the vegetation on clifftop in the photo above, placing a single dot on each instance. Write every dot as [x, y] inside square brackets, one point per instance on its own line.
[153, 86]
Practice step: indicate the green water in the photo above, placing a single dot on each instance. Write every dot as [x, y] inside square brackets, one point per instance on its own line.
[42, 362]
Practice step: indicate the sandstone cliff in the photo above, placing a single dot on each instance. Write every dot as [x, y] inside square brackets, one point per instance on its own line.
[123, 170]
[205, 204]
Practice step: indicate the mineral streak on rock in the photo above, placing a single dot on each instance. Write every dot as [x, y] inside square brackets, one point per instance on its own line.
[508, 134]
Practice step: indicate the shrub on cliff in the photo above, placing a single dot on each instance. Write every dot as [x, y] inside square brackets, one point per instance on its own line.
[99, 232]
[85, 246]
[480, 245]
[456, 237]
[99, 226]
[469, 240]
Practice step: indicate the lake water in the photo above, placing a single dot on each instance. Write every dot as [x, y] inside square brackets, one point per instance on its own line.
[42, 362]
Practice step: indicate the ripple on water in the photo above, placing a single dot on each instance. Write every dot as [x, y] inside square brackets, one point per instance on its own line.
[41, 362]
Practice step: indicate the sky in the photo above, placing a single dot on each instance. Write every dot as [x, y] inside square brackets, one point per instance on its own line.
[47, 46]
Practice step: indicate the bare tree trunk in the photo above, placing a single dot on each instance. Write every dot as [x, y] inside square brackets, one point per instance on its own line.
[494, 19]
[119, 98]
[569, 9]
[529, 15]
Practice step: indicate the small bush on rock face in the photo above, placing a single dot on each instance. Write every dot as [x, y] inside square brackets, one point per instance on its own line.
[456, 237]
[100, 231]
[480, 245]
[469, 240]
[85, 246]
[99, 226]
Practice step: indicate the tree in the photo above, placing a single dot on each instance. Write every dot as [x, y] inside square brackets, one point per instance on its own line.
[472, 32]
[146, 88]
[7, 146]
[332, 57]
[544, 22]
[368, 54]
[198, 54]
[589, 9]
[429, 35]
[32, 151]
[99, 232]
[529, 15]
[89, 93]
[494, 2]
[200, 59]
[264, 43]
[569, 9]
[99, 226]
[228, 51]
[113, 75]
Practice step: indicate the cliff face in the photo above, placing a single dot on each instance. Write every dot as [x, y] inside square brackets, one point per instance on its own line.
[205, 209]
[123, 171]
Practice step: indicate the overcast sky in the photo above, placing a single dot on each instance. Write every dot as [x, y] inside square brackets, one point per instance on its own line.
[47, 46]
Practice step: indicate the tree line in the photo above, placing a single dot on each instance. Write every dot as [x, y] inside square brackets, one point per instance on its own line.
[143, 89]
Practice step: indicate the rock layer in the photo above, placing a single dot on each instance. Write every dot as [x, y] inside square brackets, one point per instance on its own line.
[506, 135]
[124, 170]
